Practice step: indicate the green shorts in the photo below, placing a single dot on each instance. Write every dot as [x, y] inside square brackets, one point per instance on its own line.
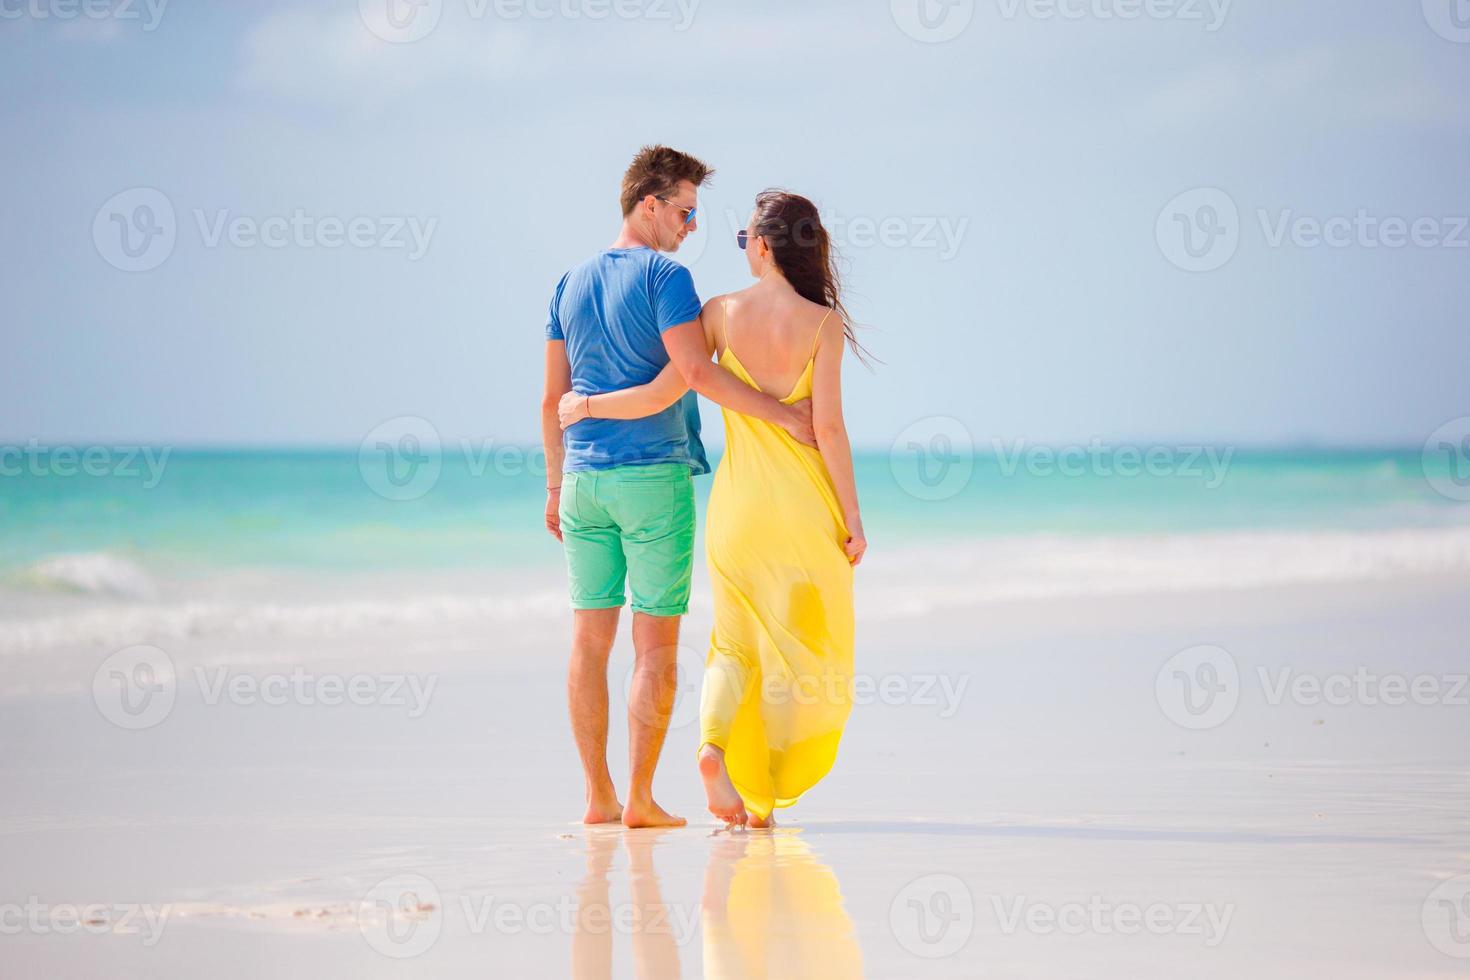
[634, 523]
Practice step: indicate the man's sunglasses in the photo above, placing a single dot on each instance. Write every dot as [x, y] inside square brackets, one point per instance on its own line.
[688, 212]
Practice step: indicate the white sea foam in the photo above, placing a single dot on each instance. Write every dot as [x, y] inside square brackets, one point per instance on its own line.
[894, 583]
[91, 573]
[915, 582]
[109, 626]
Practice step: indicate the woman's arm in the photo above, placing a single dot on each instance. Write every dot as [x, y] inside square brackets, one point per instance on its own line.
[832, 441]
[625, 403]
[690, 346]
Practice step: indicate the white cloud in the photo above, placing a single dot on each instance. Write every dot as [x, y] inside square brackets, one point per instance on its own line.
[315, 56]
[334, 58]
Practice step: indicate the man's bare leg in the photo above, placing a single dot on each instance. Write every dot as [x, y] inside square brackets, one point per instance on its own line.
[592, 946]
[593, 631]
[655, 945]
[651, 700]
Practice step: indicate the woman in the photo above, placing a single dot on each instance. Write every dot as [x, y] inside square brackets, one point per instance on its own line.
[784, 531]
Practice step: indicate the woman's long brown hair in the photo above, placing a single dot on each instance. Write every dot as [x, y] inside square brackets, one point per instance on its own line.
[799, 242]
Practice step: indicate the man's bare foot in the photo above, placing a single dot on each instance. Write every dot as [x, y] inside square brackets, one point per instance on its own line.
[763, 823]
[646, 813]
[603, 811]
[724, 802]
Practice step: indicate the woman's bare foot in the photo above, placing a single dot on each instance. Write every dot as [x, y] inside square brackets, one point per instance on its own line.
[646, 813]
[603, 811]
[724, 802]
[763, 823]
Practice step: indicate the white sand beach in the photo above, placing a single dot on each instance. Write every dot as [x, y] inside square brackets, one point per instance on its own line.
[1017, 795]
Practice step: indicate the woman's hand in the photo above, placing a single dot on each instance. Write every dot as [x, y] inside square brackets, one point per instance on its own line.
[857, 543]
[571, 409]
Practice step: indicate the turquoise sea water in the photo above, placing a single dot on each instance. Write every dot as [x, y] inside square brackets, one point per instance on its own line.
[320, 509]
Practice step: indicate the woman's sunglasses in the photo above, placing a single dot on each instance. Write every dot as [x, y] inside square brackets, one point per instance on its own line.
[742, 238]
[688, 212]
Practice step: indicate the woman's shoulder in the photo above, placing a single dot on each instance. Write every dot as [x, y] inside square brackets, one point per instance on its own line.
[724, 303]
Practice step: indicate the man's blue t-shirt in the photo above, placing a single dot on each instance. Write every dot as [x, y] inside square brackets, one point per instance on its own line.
[612, 311]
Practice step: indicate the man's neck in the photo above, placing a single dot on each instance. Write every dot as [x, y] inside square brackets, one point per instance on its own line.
[631, 237]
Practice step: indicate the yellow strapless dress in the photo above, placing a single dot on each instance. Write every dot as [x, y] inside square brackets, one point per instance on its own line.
[777, 686]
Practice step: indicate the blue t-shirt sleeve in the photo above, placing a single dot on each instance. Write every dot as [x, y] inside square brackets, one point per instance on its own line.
[674, 298]
[553, 317]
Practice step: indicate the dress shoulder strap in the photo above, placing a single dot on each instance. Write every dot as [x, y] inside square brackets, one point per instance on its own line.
[819, 334]
[725, 321]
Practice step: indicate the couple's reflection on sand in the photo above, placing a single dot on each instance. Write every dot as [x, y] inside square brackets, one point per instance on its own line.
[768, 908]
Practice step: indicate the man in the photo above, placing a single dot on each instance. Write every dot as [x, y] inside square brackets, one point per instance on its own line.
[619, 493]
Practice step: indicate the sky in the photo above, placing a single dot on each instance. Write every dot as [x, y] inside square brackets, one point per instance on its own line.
[1060, 220]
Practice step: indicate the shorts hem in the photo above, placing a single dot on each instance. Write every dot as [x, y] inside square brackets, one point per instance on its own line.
[613, 602]
[680, 610]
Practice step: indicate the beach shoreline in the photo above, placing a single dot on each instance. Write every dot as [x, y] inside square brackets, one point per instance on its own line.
[1055, 776]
